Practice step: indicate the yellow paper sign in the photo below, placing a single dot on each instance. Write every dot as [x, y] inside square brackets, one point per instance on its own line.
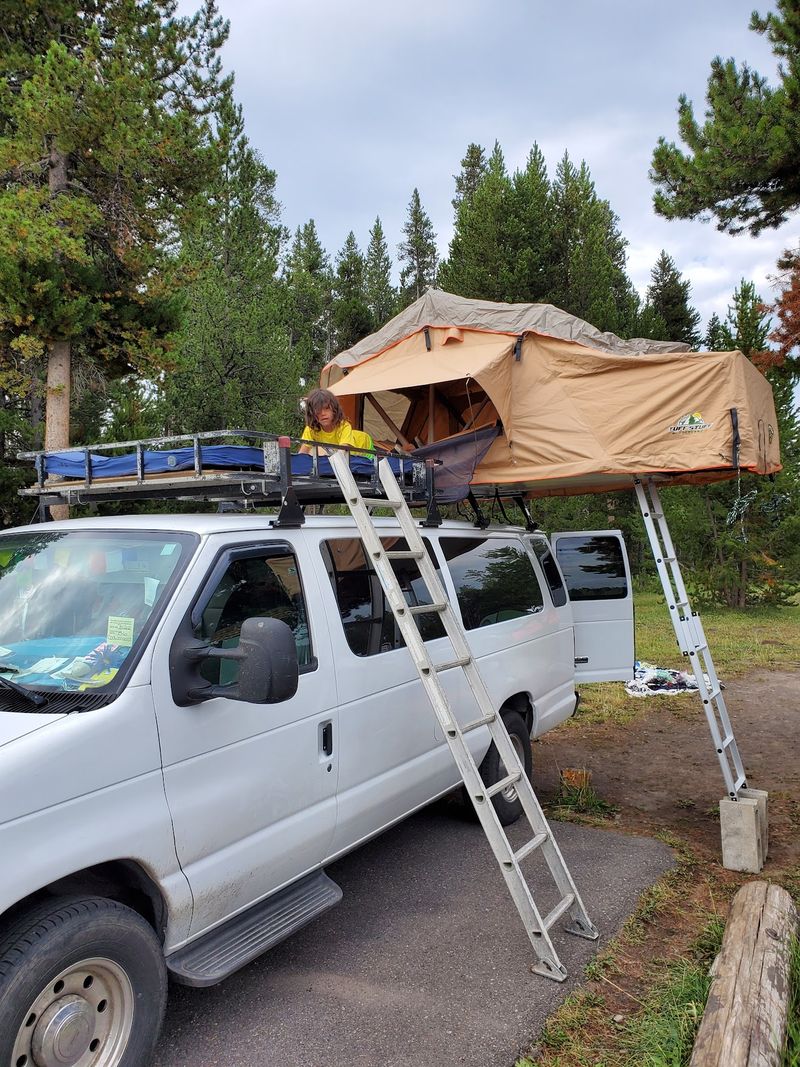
[120, 630]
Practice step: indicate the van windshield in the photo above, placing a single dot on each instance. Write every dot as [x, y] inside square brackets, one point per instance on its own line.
[73, 605]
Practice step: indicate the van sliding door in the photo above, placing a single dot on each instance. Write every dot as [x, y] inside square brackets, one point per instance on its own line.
[596, 572]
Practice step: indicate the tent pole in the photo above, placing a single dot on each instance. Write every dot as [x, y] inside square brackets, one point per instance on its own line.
[431, 407]
[392, 426]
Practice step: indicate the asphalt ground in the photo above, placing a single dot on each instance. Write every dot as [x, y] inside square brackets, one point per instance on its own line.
[424, 963]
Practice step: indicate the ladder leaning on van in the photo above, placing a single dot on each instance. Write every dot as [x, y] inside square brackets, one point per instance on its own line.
[508, 858]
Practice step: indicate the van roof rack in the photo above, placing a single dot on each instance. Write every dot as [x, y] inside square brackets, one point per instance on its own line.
[218, 465]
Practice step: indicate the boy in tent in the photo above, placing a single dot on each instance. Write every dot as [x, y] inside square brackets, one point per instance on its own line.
[326, 424]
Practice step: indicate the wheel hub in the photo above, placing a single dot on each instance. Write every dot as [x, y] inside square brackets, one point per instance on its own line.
[82, 1018]
[63, 1033]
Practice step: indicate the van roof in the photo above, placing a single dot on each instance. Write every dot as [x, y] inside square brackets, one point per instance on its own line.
[207, 524]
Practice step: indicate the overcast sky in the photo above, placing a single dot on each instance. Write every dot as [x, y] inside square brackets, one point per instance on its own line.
[356, 102]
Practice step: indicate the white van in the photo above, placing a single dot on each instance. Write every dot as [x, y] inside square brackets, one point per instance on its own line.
[175, 773]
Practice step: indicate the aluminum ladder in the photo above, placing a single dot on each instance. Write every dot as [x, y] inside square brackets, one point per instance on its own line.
[691, 637]
[508, 858]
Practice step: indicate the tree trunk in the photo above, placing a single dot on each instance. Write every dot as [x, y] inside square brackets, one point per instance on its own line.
[56, 432]
[56, 420]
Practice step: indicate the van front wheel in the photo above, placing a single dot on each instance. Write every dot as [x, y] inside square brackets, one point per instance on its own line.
[82, 984]
[506, 803]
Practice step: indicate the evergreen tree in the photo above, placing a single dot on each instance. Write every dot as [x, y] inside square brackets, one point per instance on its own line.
[417, 252]
[529, 230]
[350, 312]
[588, 276]
[714, 339]
[743, 163]
[308, 281]
[479, 264]
[235, 365]
[668, 297]
[380, 293]
[473, 169]
[104, 155]
[747, 324]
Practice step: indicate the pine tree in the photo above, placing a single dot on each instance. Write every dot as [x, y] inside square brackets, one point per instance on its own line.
[747, 324]
[529, 232]
[236, 367]
[787, 309]
[479, 265]
[104, 155]
[668, 297]
[380, 293]
[714, 340]
[350, 312]
[307, 276]
[743, 163]
[417, 253]
[588, 256]
[473, 170]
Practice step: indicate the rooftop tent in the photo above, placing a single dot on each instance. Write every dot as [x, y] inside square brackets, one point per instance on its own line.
[576, 410]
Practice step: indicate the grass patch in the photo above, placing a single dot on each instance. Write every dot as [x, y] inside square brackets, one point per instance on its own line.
[577, 796]
[662, 1034]
[791, 1054]
[740, 641]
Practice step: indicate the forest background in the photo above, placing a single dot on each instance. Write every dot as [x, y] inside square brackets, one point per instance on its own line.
[149, 287]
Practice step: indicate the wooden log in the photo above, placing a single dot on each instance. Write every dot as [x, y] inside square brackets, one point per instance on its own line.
[744, 1024]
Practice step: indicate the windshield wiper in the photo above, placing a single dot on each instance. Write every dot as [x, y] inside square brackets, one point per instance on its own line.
[35, 698]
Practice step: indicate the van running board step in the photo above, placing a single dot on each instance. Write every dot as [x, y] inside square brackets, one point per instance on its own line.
[537, 926]
[229, 947]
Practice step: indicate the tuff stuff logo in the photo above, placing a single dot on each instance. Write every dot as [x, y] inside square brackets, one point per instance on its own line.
[693, 423]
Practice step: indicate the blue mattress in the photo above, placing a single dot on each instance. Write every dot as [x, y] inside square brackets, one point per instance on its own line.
[214, 457]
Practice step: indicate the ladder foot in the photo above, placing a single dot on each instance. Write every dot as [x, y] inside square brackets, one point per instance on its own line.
[554, 970]
[582, 928]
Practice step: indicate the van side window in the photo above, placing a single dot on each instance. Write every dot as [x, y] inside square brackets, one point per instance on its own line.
[494, 579]
[261, 586]
[369, 625]
[550, 570]
[593, 567]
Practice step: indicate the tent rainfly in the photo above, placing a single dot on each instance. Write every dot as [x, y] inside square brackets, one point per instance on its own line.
[543, 404]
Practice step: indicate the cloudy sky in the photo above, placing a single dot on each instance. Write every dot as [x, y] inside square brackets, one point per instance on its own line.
[356, 102]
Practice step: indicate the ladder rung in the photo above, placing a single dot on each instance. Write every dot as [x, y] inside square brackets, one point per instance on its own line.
[411, 554]
[727, 742]
[395, 505]
[714, 693]
[425, 609]
[504, 783]
[739, 783]
[529, 847]
[477, 723]
[462, 661]
[558, 911]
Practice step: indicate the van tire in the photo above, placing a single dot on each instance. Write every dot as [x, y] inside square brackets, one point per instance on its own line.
[506, 804]
[79, 975]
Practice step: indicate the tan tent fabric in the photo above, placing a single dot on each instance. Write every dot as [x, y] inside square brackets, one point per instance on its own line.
[437, 308]
[576, 418]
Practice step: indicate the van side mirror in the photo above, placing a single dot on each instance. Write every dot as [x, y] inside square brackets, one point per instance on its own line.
[268, 666]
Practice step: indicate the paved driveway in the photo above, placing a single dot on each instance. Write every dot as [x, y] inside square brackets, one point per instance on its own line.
[425, 962]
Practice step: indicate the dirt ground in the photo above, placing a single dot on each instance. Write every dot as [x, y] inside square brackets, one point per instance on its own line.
[661, 774]
[661, 771]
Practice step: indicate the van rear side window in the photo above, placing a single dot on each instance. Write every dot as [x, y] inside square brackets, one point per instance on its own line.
[550, 570]
[369, 625]
[494, 579]
[593, 567]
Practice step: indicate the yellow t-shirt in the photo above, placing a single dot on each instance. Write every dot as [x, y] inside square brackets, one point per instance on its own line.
[343, 434]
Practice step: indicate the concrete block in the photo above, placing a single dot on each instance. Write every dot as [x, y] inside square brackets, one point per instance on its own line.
[762, 798]
[741, 837]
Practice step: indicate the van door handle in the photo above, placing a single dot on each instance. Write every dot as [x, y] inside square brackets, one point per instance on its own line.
[326, 736]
